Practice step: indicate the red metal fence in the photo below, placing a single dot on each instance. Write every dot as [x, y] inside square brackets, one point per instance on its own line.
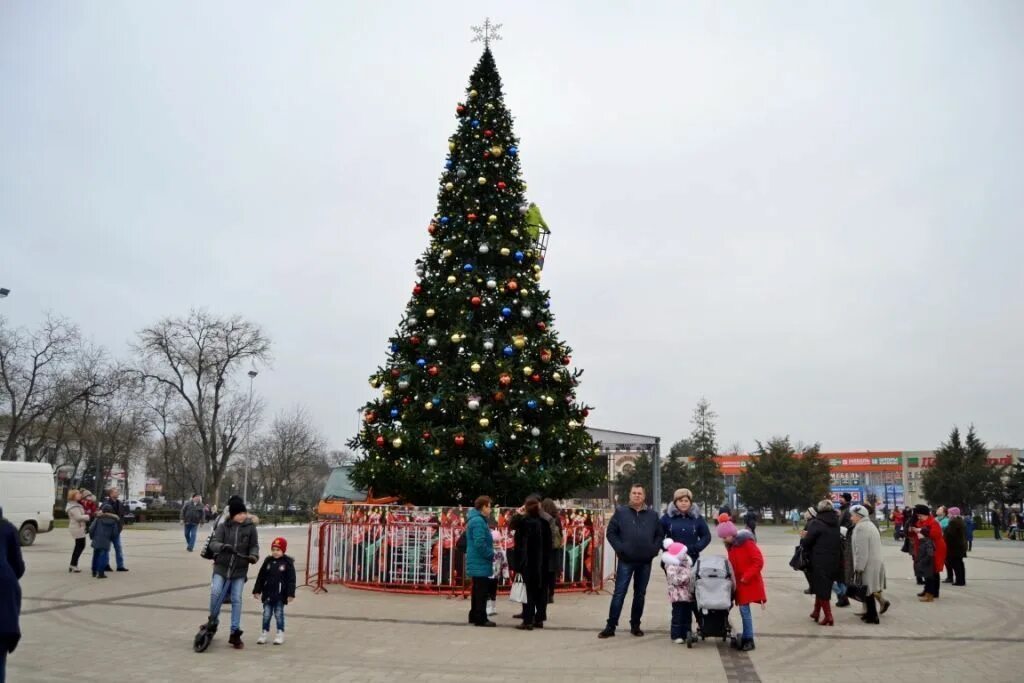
[413, 550]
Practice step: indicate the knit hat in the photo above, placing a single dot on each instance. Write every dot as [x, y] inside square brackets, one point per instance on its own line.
[953, 512]
[922, 509]
[107, 507]
[724, 517]
[674, 552]
[812, 512]
[235, 505]
[279, 543]
[726, 529]
[860, 510]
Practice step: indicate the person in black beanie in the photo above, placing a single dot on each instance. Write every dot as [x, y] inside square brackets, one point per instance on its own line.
[235, 545]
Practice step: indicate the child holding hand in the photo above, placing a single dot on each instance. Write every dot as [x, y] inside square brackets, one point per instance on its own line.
[275, 586]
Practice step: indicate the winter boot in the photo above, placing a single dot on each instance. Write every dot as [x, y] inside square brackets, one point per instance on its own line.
[748, 645]
[262, 640]
[817, 609]
[279, 638]
[843, 601]
[235, 639]
[827, 618]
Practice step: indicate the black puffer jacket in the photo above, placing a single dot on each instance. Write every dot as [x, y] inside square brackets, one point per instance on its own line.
[824, 544]
[276, 580]
[242, 537]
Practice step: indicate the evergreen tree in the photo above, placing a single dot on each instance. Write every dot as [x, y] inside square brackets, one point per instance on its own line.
[705, 475]
[781, 479]
[638, 473]
[675, 473]
[961, 474]
[477, 394]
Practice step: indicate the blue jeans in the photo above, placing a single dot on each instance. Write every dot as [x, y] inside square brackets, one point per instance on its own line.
[118, 551]
[640, 574]
[219, 588]
[840, 588]
[682, 613]
[100, 558]
[748, 622]
[277, 611]
[190, 535]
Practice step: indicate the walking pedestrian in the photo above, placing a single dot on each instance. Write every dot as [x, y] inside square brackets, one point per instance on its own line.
[78, 520]
[794, 518]
[823, 541]
[532, 555]
[192, 515]
[119, 508]
[747, 562]
[955, 535]
[750, 519]
[678, 570]
[103, 531]
[928, 545]
[635, 534]
[12, 568]
[275, 587]
[479, 560]
[235, 545]
[996, 521]
[868, 568]
[845, 569]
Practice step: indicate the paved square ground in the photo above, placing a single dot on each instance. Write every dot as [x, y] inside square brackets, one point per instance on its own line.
[139, 626]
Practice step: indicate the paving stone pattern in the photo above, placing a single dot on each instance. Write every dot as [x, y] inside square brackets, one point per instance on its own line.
[139, 626]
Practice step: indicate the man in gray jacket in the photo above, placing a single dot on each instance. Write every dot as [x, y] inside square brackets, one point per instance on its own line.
[192, 517]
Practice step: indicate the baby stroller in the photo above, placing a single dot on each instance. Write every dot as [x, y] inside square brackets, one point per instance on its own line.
[713, 588]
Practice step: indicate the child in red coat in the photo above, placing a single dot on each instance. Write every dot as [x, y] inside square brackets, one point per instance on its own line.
[747, 563]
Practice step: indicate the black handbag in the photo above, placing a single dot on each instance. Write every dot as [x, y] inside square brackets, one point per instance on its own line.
[799, 562]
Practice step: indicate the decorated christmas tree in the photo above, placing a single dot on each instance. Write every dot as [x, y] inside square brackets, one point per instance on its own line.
[478, 393]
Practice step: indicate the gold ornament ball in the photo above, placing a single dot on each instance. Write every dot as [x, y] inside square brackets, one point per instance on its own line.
[527, 370]
[386, 393]
[475, 367]
[446, 253]
[557, 376]
[397, 443]
[451, 146]
[455, 338]
[492, 218]
[449, 186]
[484, 422]
[428, 406]
[496, 151]
[472, 93]
[375, 382]
[481, 180]
[505, 251]
[437, 451]
[452, 279]
[515, 232]
[430, 312]
[550, 401]
[519, 341]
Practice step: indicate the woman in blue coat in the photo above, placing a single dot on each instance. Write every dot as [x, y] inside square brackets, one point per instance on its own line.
[11, 569]
[479, 560]
[684, 524]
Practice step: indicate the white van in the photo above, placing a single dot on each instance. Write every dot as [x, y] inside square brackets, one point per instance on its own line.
[27, 497]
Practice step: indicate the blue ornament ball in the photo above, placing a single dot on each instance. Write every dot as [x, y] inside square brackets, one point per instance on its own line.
[506, 312]
[509, 351]
[421, 362]
[520, 256]
[394, 412]
[436, 400]
[474, 123]
[444, 220]
[448, 164]
[488, 444]
[531, 404]
[512, 151]
[394, 347]
[468, 267]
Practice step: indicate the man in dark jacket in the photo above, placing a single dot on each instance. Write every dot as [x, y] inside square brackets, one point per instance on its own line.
[12, 567]
[846, 529]
[750, 519]
[192, 515]
[997, 523]
[955, 535]
[235, 545]
[120, 508]
[635, 533]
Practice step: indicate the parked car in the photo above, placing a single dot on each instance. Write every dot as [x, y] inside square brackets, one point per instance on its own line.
[136, 505]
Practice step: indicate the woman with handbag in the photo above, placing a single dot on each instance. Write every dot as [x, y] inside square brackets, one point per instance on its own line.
[532, 556]
[868, 568]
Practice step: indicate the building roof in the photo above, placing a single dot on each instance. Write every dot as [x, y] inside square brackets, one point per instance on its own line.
[611, 438]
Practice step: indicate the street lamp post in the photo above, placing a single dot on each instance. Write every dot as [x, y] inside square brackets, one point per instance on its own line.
[248, 429]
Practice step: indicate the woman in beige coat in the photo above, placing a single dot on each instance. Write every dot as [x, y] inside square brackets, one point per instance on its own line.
[77, 521]
[868, 568]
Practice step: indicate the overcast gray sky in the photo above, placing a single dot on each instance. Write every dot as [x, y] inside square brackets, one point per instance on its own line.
[808, 212]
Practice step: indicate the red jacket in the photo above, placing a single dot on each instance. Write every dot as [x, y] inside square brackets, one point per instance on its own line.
[934, 532]
[747, 562]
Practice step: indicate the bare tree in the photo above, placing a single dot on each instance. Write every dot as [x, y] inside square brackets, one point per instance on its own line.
[198, 358]
[291, 459]
[39, 378]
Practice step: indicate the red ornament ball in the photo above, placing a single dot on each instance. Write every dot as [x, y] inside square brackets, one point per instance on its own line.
[505, 379]
[502, 185]
[476, 301]
[371, 417]
[426, 436]
[460, 110]
[586, 412]
[433, 370]
[566, 360]
[414, 340]
[488, 133]
[395, 372]
[417, 290]
[512, 285]
[431, 228]
[499, 396]
[405, 400]
[380, 442]
[460, 440]
[471, 217]
[535, 378]
[541, 325]
[487, 155]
